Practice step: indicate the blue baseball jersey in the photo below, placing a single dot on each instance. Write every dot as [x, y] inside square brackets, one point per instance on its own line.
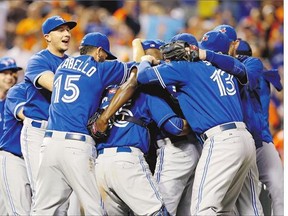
[143, 106]
[250, 97]
[208, 96]
[38, 98]
[78, 86]
[2, 102]
[15, 100]
[268, 77]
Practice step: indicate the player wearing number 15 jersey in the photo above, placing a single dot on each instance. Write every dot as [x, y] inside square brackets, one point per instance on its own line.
[68, 153]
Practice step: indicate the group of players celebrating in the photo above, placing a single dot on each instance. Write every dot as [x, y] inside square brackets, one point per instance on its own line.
[203, 104]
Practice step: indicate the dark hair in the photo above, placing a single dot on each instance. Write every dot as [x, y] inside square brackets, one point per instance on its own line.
[86, 49]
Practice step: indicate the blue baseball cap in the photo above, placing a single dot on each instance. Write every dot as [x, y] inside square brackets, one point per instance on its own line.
[55, 21]
[215, 41]
[228, 30]
[189, 38]
[8, 63]
[244, 48]
[150, 44]
[98, 39]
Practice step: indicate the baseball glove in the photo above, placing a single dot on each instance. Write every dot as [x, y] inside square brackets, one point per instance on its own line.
[179, 50]
[97, 135]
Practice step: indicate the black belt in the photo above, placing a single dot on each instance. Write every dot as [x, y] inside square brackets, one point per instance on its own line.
[175, 139]
[69, 136]
[223, 127]
[118, 149]
[132, 119]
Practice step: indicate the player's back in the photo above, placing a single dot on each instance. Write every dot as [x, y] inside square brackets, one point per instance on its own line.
[78, 86]
[144, 107]
[214, 94]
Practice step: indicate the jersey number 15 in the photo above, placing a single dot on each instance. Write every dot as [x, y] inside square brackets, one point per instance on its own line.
[69, 86]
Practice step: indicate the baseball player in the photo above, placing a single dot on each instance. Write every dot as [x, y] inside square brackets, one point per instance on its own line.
[210, 102]
[16, 192]
[123, 176]
[177, 157]
[268, 161]
[39, 78]
[259, 84]
[8, 78]
[215, 40]
[68, 152]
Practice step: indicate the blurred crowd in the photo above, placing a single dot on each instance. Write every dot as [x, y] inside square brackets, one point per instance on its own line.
[261, 23]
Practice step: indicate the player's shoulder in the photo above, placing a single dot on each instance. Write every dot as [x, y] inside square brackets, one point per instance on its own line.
[39, 57]
[253, 60]
[46, 55]
[113, 65]
[17, 89]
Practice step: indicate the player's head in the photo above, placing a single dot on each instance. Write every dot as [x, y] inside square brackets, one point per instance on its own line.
[228, 30]
[151, 47]
[215, 41]
[231, 34]
[8, 73]
[96, 44]
[189, 38]
[54, 22]
[243, 48]
[57, 33]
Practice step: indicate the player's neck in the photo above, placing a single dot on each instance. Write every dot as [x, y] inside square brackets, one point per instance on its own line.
[2, 94]
[56, 52]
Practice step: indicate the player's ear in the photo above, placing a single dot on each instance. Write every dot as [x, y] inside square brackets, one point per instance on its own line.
[47, 38]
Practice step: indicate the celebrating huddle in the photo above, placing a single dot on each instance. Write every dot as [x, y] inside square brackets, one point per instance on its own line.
[207, 102]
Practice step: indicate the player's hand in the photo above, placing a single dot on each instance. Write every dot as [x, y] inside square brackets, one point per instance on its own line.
[151, 59]
[98, 131]
[202, 54]
[101, 124]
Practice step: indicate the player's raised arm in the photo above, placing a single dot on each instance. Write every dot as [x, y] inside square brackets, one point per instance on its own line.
[208, 51]
[123, 94]
[138, 50]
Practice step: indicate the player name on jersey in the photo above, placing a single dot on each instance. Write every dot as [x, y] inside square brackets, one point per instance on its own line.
[79, 65]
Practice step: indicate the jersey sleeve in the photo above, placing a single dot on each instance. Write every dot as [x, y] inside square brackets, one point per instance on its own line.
[164, 74]
[15, 100]
[173, 125]
[113, 72]
[36, 66]
[254, 68]
[160, 116]
[273, 77]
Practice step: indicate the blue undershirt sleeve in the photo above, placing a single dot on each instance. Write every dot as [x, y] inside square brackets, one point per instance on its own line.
[142, 77]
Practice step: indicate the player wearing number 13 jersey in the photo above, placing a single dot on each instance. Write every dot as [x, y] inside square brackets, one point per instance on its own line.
[68, 153]
[210, 102]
